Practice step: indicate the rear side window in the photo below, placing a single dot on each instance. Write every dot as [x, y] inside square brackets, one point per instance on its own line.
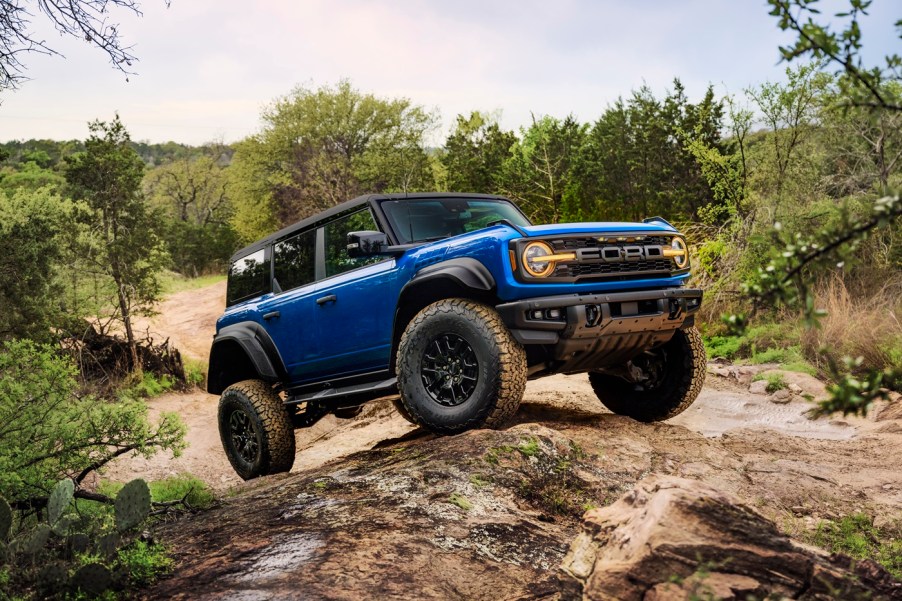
[248, 276]
[293, 260]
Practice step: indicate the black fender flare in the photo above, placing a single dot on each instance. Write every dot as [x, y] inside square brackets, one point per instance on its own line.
[455, 277]
[466, 271]
[258, 347]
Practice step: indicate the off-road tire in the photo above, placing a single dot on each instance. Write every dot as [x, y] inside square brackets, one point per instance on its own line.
[682, 380]
[501, 367]
[268, 423]
[402, 410]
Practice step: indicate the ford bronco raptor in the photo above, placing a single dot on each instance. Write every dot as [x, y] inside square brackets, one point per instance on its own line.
[449, 303]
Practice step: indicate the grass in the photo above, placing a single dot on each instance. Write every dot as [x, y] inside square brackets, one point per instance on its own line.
[149, 386]
[172, 282]
[529, 448]
[857, 324]
[195, 372]
[478, 480]
[145, 562]
[461, 501]
[174, 488]
[775, 381]
[856, 536]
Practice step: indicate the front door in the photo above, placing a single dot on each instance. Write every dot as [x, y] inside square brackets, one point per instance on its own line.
[355, 302]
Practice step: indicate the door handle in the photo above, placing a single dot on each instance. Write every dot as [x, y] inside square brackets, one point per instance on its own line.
[271, 315]
[330, 298]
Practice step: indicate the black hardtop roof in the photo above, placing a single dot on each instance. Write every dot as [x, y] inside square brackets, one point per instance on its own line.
[348, 205]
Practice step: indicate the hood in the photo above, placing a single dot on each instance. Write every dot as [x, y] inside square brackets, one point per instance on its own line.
[598, 226]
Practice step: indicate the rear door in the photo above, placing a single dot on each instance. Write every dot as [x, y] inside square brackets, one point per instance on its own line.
[288, 314]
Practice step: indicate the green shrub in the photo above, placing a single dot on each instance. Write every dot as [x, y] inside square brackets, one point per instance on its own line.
[728, 347]
[710, 256]
[775, 381]
[174, 488]
[52, 432]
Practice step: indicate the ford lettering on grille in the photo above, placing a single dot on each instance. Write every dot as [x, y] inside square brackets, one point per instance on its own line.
[619, 254]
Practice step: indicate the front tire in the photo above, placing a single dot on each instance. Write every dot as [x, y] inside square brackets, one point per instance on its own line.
[256, 430]
[459, 368]
[675, 373]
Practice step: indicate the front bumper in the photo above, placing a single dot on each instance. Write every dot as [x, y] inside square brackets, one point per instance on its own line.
[591, 331]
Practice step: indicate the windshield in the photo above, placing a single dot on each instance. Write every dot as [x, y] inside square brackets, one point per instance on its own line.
[434, 219]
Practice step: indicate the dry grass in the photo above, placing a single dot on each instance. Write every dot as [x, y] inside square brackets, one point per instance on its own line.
[861, 321]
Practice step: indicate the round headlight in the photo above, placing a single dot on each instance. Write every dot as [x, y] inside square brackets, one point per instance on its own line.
[679, 252]
[534, 259]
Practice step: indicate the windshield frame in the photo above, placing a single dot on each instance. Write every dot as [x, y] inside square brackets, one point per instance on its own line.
[402, 239]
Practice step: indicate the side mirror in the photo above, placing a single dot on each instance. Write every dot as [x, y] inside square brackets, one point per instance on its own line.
[366, 244]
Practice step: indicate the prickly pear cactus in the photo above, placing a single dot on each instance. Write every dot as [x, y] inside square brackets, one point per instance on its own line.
[132, 505]
[6, 520]
[61, 528]
[34, 542]
[59, 501]
[78, 543]
[52, 576]
[108, 545]
[92, 578]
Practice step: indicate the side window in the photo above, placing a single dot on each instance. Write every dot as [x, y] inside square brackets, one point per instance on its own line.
[293, 260]
[248, 276]
[336, 232]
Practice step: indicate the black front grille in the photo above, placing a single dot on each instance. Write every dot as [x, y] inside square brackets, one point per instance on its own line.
[589, 269]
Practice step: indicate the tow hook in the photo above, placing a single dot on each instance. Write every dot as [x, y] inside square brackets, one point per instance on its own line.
[677, 307]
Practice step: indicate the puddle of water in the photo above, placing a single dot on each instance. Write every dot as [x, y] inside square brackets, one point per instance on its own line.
[716, 412]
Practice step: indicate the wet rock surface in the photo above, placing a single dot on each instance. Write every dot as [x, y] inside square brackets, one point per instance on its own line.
[673, 538]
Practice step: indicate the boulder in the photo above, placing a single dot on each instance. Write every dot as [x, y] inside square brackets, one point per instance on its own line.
[672, 538]
[758, 387]
[781, 397]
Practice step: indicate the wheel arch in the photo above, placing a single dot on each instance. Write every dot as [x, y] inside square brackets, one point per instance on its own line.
[456, 278]
[243, 351]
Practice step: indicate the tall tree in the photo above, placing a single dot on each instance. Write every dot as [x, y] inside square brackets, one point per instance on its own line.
[321, 147]
[539, 172]
[107, 176]
[789, 112]
[475, 152]
[193, 196]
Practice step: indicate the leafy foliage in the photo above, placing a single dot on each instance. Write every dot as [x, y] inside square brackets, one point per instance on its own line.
[47, 431]
[31, 247]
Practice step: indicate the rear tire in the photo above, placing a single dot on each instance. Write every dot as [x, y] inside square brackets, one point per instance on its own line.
[256, 430]
[459, 368]
[679, 372]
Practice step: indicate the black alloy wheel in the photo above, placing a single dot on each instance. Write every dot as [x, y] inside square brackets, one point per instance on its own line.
[450, 370]
[245, 439]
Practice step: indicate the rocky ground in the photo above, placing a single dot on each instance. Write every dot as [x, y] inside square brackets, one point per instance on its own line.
[375, 508]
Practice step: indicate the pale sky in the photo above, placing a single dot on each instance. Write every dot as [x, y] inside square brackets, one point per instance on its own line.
[208, 67]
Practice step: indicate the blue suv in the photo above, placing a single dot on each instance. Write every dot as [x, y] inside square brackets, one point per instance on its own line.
[449, 303]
